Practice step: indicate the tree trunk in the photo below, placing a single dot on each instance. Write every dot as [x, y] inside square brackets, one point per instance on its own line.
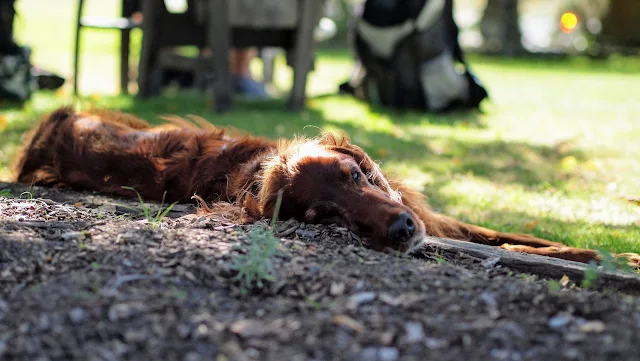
[621, 25]
[500, 27]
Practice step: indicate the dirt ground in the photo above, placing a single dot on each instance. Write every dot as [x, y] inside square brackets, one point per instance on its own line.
[83, 277]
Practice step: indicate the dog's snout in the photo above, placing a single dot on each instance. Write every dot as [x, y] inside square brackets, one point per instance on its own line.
[402, 228]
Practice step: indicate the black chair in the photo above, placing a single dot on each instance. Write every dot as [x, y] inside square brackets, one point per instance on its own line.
[124, 24]
[162, 30]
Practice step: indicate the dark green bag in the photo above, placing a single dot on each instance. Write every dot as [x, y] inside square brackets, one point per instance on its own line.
[410, 57]
[16, 82]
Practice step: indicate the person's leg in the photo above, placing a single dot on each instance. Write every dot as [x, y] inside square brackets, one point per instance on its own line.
[240, 59]
[242, 81]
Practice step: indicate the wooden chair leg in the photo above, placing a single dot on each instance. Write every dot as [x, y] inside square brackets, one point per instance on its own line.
[219, 39]
[147, 53]
[303, 52]
[125, 36]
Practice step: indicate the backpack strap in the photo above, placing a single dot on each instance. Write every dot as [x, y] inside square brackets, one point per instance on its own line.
[383, 39]
[430, 14]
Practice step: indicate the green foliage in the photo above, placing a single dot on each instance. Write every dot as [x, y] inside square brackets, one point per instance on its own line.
[591, 275]
[317, 306]
[154, 219]
[437, 256]
[177, 293]
[6, 193]
[609, 263]
[256, 266]
[553, 285]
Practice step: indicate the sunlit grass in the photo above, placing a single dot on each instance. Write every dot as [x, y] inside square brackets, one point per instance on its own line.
[553, 154]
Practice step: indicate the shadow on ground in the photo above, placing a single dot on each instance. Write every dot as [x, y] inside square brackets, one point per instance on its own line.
[83, 281]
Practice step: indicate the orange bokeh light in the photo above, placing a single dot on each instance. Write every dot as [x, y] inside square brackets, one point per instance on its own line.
[568, 22]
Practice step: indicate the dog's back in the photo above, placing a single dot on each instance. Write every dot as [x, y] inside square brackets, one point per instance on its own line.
[103, 150]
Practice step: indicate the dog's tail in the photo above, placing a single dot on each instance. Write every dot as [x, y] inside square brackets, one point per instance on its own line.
[34, 163]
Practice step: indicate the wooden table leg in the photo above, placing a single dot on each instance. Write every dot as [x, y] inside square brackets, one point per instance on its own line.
[303, 51]
[124, 60]
[219, 34]
[147, 52]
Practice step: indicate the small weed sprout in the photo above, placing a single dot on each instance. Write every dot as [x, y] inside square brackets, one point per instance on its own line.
[27, 195]
[6, 193]
[553, 285]
[177, 293]
[436, 256]
[612, 263]
[156, 219]
[590, 275]
[608, 262]
[256, 266]
[317, 306]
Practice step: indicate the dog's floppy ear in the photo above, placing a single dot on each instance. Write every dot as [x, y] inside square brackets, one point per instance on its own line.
[275, 178]
[251, 209]
[370, 168]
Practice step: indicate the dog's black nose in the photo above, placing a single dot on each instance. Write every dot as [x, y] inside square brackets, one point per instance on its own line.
[402, 228]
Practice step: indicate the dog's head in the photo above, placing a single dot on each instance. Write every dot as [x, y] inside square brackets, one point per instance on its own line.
[330, 180]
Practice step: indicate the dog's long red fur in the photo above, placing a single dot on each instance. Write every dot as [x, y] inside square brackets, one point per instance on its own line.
[322, 180]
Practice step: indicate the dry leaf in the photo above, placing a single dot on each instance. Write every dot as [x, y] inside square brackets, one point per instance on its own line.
[531, 225]
[346, 321]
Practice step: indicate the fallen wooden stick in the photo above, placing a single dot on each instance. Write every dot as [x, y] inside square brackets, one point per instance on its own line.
[547, 267]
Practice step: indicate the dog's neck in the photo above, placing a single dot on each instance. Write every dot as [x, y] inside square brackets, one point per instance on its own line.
[230, 174]
[251, 176]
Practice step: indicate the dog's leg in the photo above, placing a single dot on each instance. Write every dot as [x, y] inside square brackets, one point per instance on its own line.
[477, 234]
[446, 227]
[573, 254]
[568, 253]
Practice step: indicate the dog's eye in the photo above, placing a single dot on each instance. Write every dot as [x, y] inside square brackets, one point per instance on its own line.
[355, 175]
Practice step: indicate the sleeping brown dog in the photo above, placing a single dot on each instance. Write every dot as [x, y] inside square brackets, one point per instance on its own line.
[323, 180]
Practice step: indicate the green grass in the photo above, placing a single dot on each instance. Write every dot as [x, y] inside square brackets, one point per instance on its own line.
[155, 220]
[553, 154]
[255, 267]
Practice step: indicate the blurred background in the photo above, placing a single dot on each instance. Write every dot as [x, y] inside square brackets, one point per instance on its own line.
[594, 28]
[553, 152]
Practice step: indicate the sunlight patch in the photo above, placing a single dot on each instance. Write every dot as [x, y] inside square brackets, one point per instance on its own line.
[418, 180]
[469, 191]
